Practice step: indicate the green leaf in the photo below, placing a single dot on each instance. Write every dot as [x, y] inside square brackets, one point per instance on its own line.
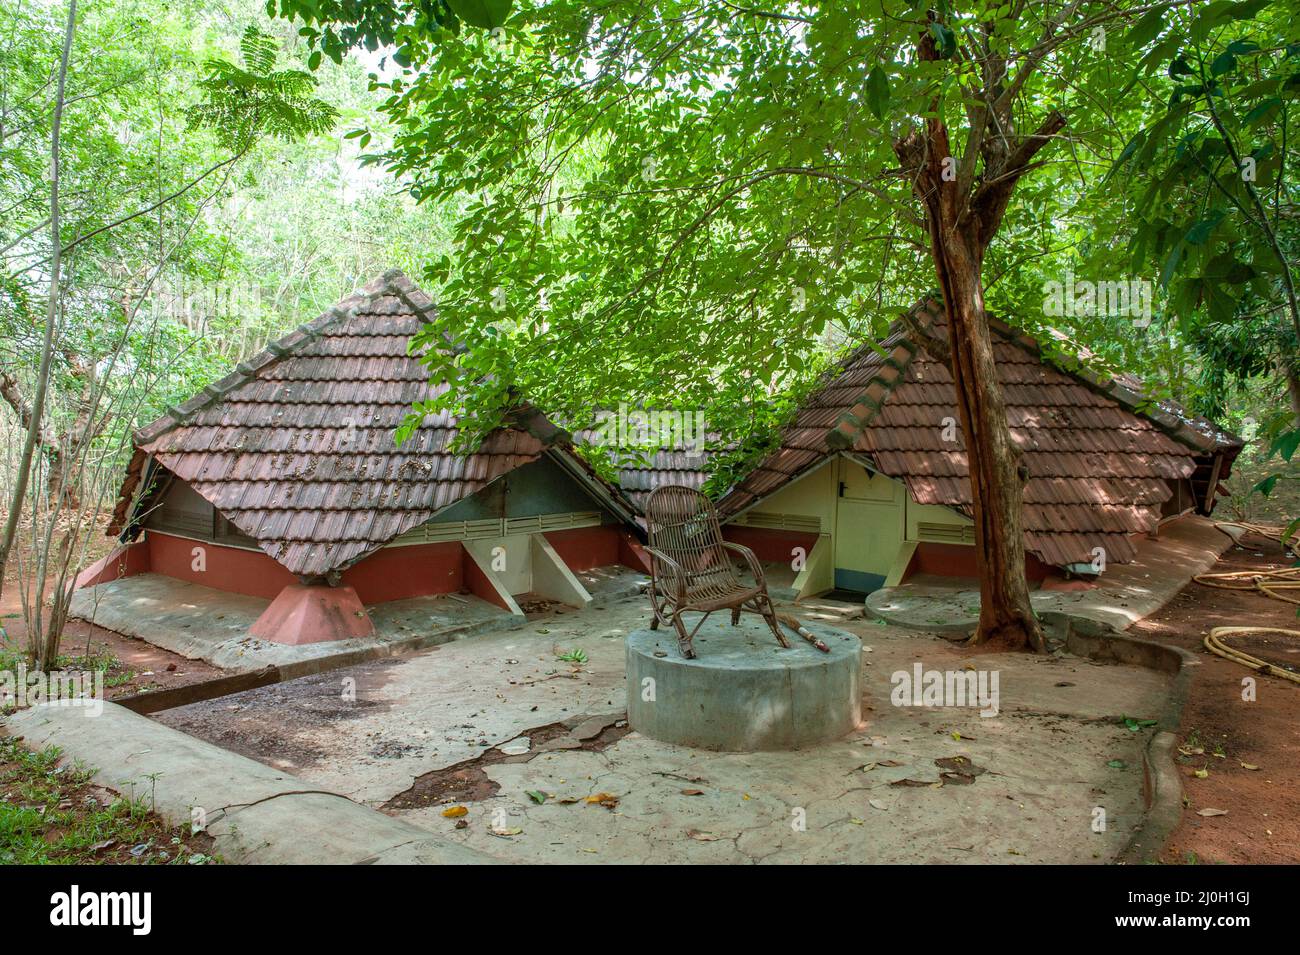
[1265, 486]
[536, 796]
[1285, 444]
[1146, 29]
[877, 92]
[945, 41]
[1127, 152]
[1171, 264]
[1199, 233]
[1247, 9]
[1262, 110]
[1225, 62]
[484, 14]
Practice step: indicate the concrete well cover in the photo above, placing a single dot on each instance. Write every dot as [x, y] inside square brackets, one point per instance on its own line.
[744, 692]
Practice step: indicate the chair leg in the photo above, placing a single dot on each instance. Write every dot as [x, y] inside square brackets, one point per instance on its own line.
[735, 616]
[769, 614]
[684, 643]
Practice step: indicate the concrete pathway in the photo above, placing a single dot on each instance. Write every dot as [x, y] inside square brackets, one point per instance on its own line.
[254, 813]
[1124, 594]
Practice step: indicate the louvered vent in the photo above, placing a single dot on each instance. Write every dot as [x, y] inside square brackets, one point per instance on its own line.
[789, 522]
[945, 533]
[441, 531]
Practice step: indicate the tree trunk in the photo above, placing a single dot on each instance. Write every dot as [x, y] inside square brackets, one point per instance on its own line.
[962, 215]
[51, 313]
[1293, 390]
[997, 470]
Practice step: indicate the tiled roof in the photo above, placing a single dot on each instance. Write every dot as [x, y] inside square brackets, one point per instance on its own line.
[296, 447]
[640, 472]
[1099, 454]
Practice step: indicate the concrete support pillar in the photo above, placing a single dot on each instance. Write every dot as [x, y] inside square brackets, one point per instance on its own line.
[551, 575]
[483, 581]
[313, 613]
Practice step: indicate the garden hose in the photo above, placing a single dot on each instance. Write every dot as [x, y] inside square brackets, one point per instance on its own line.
[1271, 583]
[1215, 644]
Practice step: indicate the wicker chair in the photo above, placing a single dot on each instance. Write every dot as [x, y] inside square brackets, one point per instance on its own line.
[691, 566]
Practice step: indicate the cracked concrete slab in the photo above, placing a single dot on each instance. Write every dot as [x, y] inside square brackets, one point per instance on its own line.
[414, 714]
[1057, 758]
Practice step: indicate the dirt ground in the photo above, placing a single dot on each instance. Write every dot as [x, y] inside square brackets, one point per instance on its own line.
[1222, 735]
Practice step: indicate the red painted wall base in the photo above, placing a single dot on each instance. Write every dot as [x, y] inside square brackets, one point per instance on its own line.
[959, 560]
[126, 561]
[235, 569]
[769, 544]
[313, 613]
[310, 613]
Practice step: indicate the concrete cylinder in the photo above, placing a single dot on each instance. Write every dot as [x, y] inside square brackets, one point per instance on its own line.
[743, 692]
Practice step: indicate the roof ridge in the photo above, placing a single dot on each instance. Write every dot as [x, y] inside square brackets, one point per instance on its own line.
[392, 282]
[850, 424]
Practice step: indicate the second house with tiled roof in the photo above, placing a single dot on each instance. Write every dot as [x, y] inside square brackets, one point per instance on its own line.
[870, 483]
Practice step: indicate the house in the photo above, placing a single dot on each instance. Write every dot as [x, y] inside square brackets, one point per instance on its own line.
[284, 481]
[870, 483]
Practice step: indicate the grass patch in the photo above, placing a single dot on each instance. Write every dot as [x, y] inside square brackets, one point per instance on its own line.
[55, 815]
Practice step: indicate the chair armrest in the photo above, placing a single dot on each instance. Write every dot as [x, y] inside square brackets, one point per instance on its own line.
[755, 567]
[678, 576]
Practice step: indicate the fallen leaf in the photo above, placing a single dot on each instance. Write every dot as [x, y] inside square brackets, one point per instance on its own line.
[505, 833]
[1211, 812]
[699, 836]
[692, 792]
[854, 821]
[960, 764]
[1202, 774]
[1117, 764]
[608, 800]
[536, 796]
[1250, 766]
[877, 804]
[910, 782]
[454, 812]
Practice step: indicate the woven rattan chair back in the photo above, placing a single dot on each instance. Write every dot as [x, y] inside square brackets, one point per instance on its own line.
[692, 569]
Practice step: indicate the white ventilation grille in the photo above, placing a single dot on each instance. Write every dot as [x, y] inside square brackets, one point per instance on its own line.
[442, 531]
[788, 522]
[945, 533]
